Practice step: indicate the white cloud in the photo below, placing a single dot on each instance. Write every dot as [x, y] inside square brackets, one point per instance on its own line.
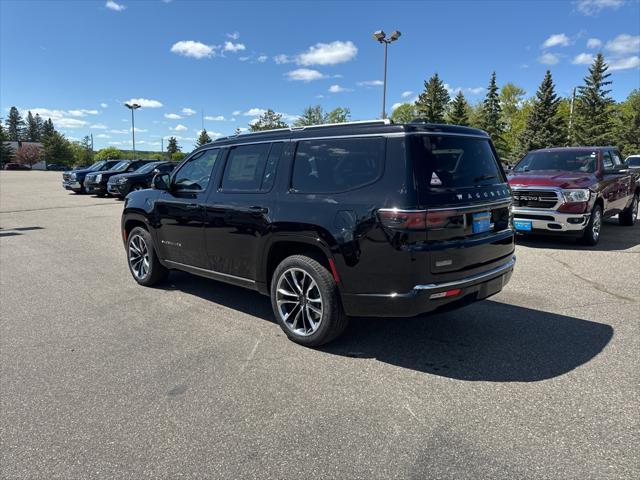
[233, 47]
[179, 128]
[328, 53]
[406, 93]
[583, 59]
[396, 105]
[548, 58]
[233, 36]
[172, 116]
[82, 112]
[119, 132]
[468, 90]
[556, 40]
[236, 112]
[140, 130]
[60, 118]
[281, 59]
[145, 103]
[116, 7]
[188, 111]
[115, 143]
[217, 118]
[103, 135]
[263, 58]
[99, 126]
[244, 59]
[624, 44]
[594, 43]
[104, 105]
[193, 49]
[624, 63]
[304, 75]
[338, 89]
[474, 90]
[253, 112]
[370, 83]
[593, 7]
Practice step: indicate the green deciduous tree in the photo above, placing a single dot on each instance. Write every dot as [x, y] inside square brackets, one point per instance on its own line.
[203, 138]
[338, 115]
[57, 149]
[268, 121]
[172, 146]
[108, 153]
[404, 113]
[594, 107]
[511, 98]
[15, 125]
[177, 156]
[627, 124]
[544, 127]
[459, 111]
[433, 101]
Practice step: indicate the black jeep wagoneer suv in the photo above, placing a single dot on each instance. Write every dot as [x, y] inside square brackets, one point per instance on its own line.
[359, 219]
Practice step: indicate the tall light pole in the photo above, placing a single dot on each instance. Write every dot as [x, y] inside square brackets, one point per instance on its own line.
[380, 36]
[132, 107]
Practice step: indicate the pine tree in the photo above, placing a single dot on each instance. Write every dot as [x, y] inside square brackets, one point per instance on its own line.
[594, 107]
[15, 125]
[57, 149]
[310, 116]
[491, 115]
[338, 115]
[268, 121]
[459, 115]
[6, 152]
[432, 102]
[31, 133]
[47, 129]
[39, 127]
[172, 146]
[203, 138]
[544, 127]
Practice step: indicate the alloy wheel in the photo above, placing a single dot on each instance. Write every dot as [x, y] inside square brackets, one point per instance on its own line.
[299, 302]
[597, 223]
[139, 256]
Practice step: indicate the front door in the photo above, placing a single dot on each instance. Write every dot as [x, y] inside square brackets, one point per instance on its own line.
[180, 211]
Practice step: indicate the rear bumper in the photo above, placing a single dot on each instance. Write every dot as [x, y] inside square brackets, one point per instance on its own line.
[419, 299]
[551, 221]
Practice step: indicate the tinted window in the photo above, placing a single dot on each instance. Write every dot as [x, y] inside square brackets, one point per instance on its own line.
[633, 161]
[606, 160]
[336, 165]
[454, 162]
[568, 160]
[195, 173]
[616, 158]
[147, 168]
[251, 168]
[166, 167]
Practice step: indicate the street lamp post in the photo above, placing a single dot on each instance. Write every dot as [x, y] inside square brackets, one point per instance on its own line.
[132, 107]
[380, 36]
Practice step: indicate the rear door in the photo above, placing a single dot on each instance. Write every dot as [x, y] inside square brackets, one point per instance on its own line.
[624, 181]
[467, 198]
[180, 211]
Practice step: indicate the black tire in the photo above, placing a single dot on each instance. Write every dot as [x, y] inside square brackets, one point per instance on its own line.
[628, 216]
[155, 272]
[591, 234]
[330, 323]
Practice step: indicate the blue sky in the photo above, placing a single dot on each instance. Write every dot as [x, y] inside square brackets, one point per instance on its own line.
[78, 61]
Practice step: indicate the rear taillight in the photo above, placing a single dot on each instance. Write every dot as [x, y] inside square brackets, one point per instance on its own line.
[417, 219]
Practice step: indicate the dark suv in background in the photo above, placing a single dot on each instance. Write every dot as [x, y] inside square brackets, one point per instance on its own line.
[360, 219]
[74, 180]
[120, 185]
[96, 183]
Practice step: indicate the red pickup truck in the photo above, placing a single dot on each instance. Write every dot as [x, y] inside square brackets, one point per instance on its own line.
[570, 190]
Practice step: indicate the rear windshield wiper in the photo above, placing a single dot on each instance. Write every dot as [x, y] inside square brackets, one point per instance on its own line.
[483, 177]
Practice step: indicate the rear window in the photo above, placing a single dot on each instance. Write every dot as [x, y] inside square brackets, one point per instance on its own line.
[337, 165]
[567, 160]
[446, 162]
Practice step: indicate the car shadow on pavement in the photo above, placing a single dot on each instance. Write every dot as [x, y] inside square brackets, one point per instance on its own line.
[485, 341]
[612, 237]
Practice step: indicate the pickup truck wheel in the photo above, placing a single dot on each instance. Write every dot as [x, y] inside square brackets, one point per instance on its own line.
[591, 234]
[306, 302]
[629, 215]
[143, 262]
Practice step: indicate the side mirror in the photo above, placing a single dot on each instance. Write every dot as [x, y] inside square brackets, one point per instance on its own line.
[156, 170]
[161, 181]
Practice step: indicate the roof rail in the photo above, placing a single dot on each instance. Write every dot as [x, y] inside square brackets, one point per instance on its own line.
[383, 121]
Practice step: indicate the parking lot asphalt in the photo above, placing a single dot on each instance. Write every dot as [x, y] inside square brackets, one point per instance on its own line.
[102, 378]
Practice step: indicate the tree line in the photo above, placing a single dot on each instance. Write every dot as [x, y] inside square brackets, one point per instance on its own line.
[518, 125]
